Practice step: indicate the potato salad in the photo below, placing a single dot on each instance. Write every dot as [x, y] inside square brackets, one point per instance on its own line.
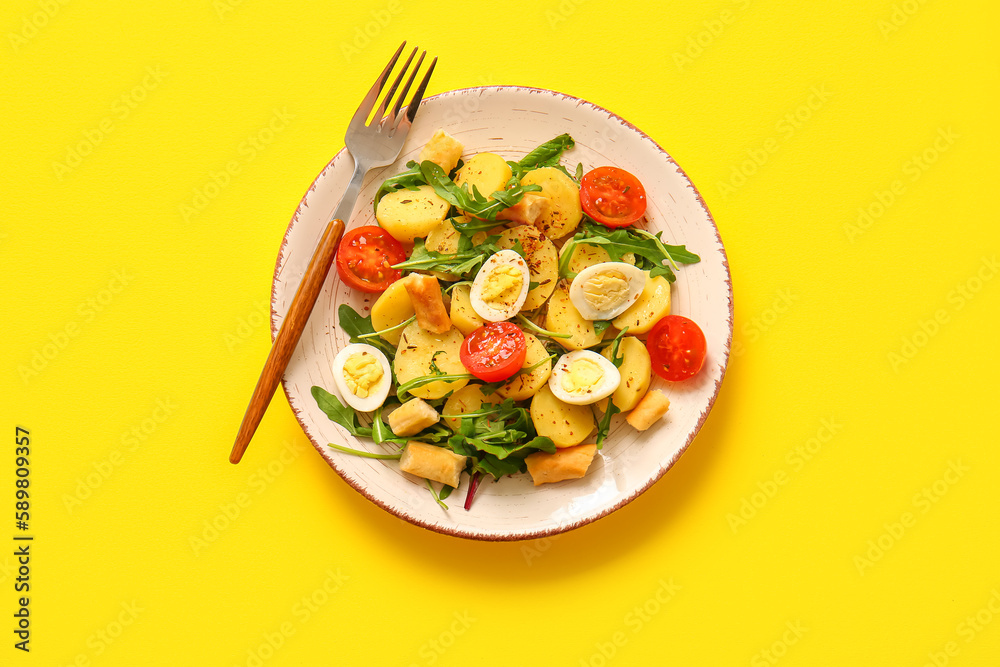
[519, 307]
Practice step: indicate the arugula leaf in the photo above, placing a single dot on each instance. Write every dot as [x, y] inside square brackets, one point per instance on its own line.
[539, 331]
[435, 370]
[439, 497]
[473, 226]
[474, 202]
[497, 438]
[360, 330]
[404, 389]
[381, 431]
[604, 424]
[648, 249]
[339, 413]
[465, 261]
[408, 179]
[490, 387]
[548, 154]
[600, 326]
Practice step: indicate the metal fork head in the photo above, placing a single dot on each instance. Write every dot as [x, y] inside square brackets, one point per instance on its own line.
[379, 142]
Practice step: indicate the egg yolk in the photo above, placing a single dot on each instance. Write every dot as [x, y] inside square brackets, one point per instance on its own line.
[606, 290]
[582, 376]
[502, 287]
[362, 372]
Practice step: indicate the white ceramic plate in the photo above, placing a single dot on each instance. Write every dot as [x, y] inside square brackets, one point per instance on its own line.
[511, 121]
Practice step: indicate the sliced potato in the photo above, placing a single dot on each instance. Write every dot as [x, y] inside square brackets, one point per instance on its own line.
[565, 463]
[563, 317]
[585, 255]
[567, 425]
[564, 212]
[391, 308]
[635, 371]
[543, 261]
[417, 348]
[463, 315]
[408, 214]
[467, 399]
[653, 305]
[522, 387]
[443, 239]
[487, 172]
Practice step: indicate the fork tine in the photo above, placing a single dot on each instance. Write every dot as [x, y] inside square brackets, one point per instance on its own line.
[418, 95]
[392, 90]
[406, 89]
[368, 103]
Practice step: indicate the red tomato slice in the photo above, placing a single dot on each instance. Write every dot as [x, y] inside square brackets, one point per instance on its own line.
[612, 196]
[676, 348]
[494, 352]
[365, 258]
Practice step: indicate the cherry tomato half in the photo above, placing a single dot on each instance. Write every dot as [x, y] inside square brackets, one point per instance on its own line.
[494, 352]
[676, 348]
[612, 196]
[365, 257]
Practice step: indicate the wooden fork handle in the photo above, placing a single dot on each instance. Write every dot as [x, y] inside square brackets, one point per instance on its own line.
[288, 336]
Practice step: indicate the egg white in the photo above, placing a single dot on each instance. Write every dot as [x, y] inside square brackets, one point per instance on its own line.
[635, 276]
[377, 394]
[612, 378]
[501, 258]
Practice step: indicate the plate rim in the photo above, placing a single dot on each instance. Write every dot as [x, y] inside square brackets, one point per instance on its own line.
[560, 527]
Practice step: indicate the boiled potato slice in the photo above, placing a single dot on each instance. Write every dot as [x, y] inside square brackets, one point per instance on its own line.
[565, 463]
[653, 305]
[417, 348]
[391, 308]
[467, 399]
[585, 255]
[525, 386]
[543, 261]
[567, 425]
[443, 239]
[563, 317]
[635, 371]
[408, 214]
[463, 316]
[564, 212]
[487, 172]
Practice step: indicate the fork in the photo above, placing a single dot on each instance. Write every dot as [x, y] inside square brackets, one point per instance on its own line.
[371, 144]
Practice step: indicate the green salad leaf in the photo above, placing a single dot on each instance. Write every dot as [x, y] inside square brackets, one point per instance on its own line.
[548, 154]
[604, 423]
[649, 250]
[360, 330]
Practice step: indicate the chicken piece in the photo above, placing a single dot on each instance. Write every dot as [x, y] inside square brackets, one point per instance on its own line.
[649, 410]
[527, 211]
[412, 417]
[443, 150]
[566, 463]
[428, 304]
[434, 463]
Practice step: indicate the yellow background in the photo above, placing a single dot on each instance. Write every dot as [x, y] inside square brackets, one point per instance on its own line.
[142, 327]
